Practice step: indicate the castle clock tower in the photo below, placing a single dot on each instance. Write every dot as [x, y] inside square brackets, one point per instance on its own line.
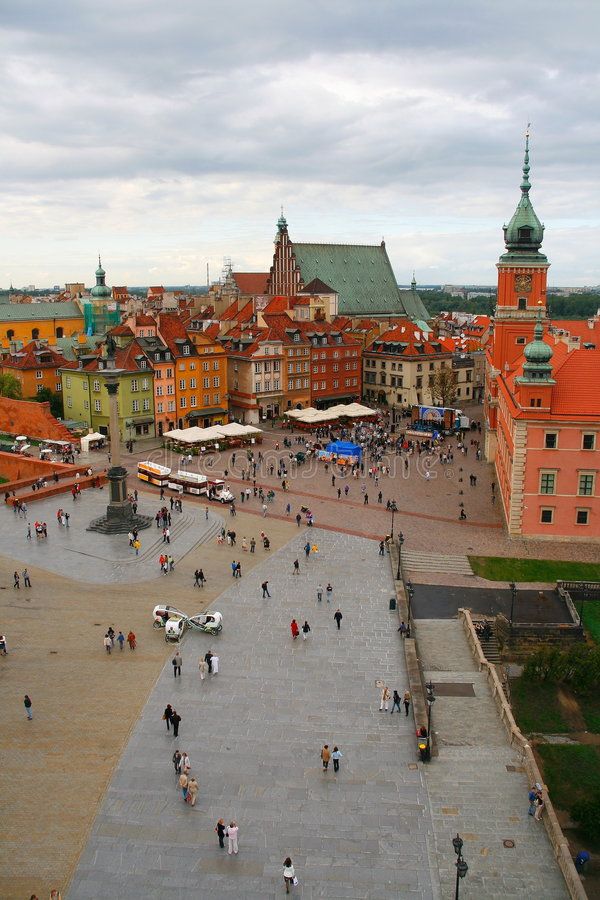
[522, 275]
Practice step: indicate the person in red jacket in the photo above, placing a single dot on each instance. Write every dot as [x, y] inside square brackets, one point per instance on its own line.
[295, 629]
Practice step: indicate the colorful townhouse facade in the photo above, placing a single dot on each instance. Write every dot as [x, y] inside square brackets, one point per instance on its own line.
[542, 398]
[25, 322]
[35, 366]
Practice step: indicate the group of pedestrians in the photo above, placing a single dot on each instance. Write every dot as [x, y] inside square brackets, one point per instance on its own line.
[334, 756]
[188, 785]
[110, 637]
[17, 580]
[385, 697]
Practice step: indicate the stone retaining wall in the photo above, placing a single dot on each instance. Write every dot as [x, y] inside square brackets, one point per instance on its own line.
[517, 740]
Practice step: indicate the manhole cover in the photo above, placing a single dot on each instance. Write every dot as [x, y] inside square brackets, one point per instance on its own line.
[508, 844]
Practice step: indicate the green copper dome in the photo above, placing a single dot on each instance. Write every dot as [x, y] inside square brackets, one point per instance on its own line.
[524, 233]
[100, 289]
[538, 353]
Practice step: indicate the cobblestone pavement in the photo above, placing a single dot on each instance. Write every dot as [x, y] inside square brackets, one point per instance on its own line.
[254, 734]
[102, 558]
[472, 791]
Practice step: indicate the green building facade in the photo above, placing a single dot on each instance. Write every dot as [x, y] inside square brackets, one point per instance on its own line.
[86, 399]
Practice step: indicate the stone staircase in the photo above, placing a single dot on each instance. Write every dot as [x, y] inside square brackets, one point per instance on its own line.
[418, 561]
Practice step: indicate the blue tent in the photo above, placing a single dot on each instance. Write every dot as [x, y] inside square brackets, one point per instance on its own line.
[344, 448]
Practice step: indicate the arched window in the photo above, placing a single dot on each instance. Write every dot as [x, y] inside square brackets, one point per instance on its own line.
[60, 332]
[35, 333]
[10, 334]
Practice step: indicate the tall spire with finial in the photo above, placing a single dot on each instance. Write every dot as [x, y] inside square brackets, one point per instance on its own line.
[525, 185]
[524, 233]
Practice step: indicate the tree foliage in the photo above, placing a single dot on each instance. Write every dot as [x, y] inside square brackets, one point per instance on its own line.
[586, 813]
[578, 666]
[10, 387]
[55, 401]
[442, 386]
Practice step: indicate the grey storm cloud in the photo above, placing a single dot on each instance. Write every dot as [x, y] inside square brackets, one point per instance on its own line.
[403, 117]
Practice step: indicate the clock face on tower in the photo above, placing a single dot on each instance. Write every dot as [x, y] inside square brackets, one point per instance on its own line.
[523, 283]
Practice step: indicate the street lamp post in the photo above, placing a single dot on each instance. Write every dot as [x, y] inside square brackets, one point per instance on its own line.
[513, 597]
[400, 542]
[430, 701]
[410, 591]
[394, 510]
[461, 866]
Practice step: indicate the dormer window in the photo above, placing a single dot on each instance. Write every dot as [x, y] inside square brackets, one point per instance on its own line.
[524, 234]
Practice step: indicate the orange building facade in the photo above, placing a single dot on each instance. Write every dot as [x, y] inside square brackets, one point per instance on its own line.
[542, 399]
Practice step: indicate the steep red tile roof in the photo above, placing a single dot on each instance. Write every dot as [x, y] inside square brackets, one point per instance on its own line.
[34, 356]
[276, 305]
[212, 331]
[143, 319]
[33, 419]
[577, 328]
[172, 329]
[577, 388]
[121, 330]
[412, 337]
[251, 282]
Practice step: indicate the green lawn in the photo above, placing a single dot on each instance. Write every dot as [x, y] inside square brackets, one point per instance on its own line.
[500, 568]
[536, 707]
[571, 772]
[591, 619]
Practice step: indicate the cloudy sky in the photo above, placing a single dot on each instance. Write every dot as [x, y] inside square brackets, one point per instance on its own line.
[168, 135]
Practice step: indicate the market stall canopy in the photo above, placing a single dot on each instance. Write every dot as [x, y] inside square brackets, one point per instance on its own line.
[88, 439]
[344, 448]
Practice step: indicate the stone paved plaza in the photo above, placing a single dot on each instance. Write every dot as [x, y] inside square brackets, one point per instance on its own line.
[254, 734]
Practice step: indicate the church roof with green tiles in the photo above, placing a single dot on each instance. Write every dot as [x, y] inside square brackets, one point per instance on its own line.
[362, 276]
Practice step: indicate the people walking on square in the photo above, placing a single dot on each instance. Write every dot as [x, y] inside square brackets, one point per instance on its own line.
[220, 830]
[252, 545]
[215, 664]
[27, 704]
[298, 519]
[121, 639]
[208, 657]
[26, 578]
[319, 593]
[232, 837]
[265, 589]
[402, 629]
[177, 762]
[305, 630]
[193, 789]
[396, 702]
[336, 756]
[175, 722]
[167, 715]
[186, 765]
[338, 617]
[385, 698]
[183, 785]
[176, 663]
[381, 548]
[325, 757]
[296, 567]
[532, 798]
[3, 645]
[294, 629]
[329, 592]
[540, 806]
[203, 667]
[307, 549]
[131, 640]
[107, 644]
[406, 701]
[289, 874]
[17, 581]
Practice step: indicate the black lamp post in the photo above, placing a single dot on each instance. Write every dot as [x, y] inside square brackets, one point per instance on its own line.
[394, 510]
[410, 593]
[430, 701]
[400, 542]
[461, 866]
[513, 597]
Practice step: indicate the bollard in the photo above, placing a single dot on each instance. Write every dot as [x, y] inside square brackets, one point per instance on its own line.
[392, 603]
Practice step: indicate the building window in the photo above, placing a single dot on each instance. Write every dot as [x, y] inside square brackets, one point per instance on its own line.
[97, 405]
[144, 384]
[548, 483]
[157, 357]
[268, 385]
[522, 303]
[134, 384]
[183, 402]
[305, 381]
[323, 385]
[192, 384]
[193, 400]
[546, 515]
[40, 388]
[170, 389]
[276, 365]
[206, 399]
[171, 406]
[520, 340]
[216, 381]
[146, 405]
[257, 368]
[169, 373]
[551, 440]
[39, 373]
[159, 390]
[143, 364]
[216, 365]
[69, 402]
[182, 384]
[192, 367]
[291, 368]
[582, 517]
[205, 366]
[186, 349]
[588, 442]
[59, 385]
[181, 367]
[216, 399]
[419, 367]
[135, 406]
[586, 485]
[159, 408]
[68, 381]
[315, 386]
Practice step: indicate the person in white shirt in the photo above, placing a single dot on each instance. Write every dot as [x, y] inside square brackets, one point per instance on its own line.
[232, 836]
[288, 873]
[215, 665]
